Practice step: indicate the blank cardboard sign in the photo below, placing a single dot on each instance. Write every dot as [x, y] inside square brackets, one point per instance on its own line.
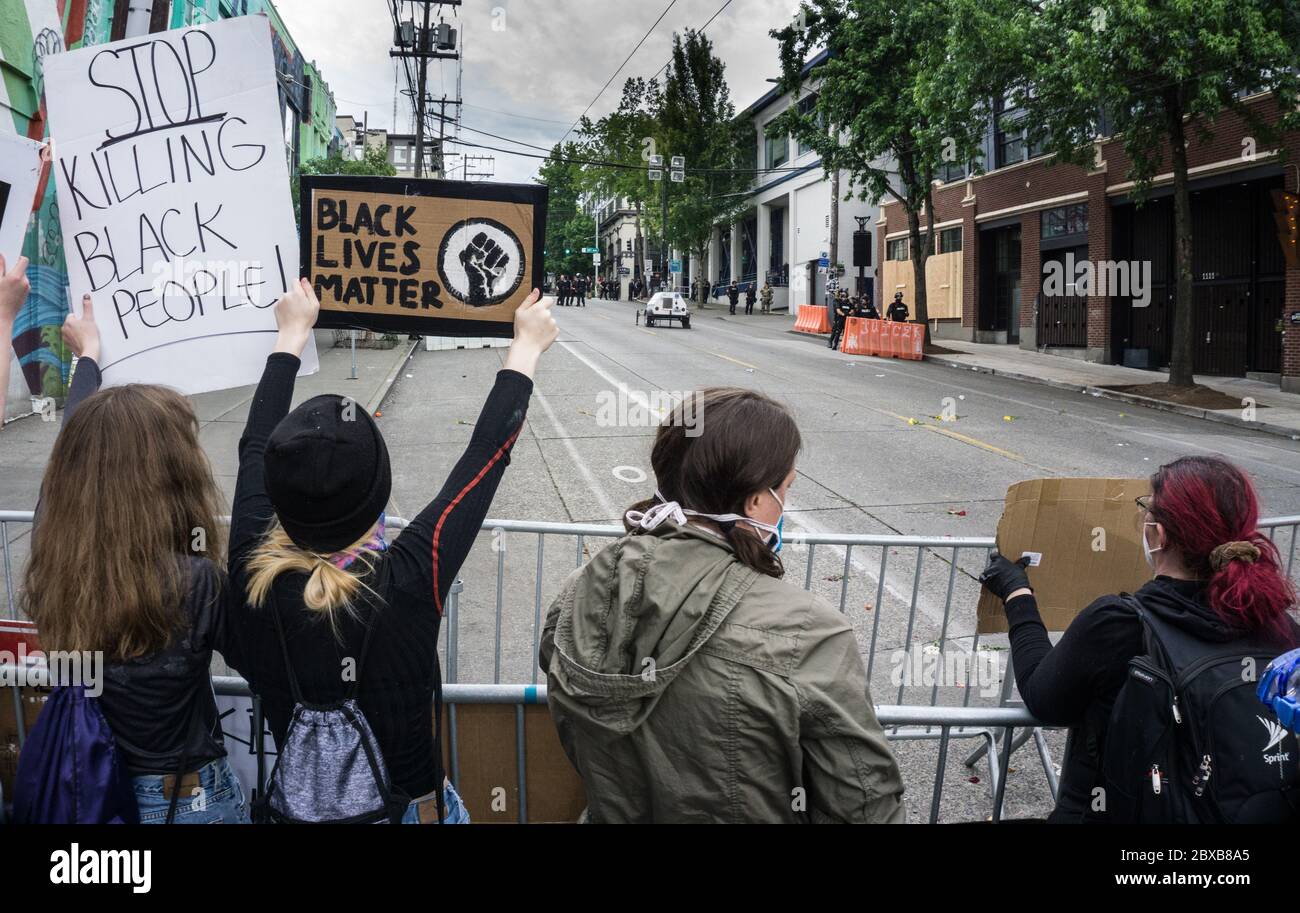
[1084, 538]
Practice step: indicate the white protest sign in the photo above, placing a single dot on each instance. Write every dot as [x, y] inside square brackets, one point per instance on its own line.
[20, 172]
[174, 199]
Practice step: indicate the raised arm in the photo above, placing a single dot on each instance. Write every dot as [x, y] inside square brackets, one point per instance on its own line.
[428, 554]
[295, 314]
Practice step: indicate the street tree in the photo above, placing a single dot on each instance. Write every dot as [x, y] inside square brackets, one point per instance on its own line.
[697, 121]
[568, 227]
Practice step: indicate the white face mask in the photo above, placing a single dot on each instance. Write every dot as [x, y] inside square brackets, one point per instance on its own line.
[1147, 551]
[666, 510]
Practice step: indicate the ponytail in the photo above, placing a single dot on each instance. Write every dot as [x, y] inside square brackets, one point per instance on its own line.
[1248, 585]
[330, 590]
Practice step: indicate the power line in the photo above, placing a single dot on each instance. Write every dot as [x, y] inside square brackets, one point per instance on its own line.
[670, 5]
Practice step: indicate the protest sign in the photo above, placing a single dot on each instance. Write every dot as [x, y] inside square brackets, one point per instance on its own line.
[439, 258]
[1083, 537]
[175, 203]
[20, 172]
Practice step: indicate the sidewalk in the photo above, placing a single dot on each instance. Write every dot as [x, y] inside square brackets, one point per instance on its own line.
[25, 443]
[1276, 412]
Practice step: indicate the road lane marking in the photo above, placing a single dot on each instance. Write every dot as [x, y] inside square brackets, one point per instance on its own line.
[634, 395]
[743, 364]
[606, 506]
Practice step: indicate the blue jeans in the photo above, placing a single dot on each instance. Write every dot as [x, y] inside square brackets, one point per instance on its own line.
[218, 798]
[453, 808]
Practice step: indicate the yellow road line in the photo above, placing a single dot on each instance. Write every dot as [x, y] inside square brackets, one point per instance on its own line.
[743, 364]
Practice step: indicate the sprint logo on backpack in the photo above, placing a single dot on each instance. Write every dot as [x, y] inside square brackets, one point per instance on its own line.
[1276, 734]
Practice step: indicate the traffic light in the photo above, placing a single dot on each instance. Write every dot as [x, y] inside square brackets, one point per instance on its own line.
[1287, 212]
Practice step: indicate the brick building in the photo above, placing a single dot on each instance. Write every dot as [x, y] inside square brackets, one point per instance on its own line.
[998, 231]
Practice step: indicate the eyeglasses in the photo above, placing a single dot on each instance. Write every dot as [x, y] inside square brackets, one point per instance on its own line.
[1143, 502]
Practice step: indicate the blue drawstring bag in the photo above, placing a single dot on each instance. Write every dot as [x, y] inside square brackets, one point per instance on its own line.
[69, 771]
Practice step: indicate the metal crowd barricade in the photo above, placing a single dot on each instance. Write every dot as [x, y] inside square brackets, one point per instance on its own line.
[988, 721]
[937, 721]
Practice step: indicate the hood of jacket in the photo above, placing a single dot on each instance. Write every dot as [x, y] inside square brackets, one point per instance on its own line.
[1184, 604]
[632, 619]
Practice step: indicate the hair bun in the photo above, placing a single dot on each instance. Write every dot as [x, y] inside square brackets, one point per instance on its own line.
[1232, 551]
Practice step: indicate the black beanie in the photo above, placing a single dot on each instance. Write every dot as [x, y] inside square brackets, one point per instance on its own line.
[327, 473]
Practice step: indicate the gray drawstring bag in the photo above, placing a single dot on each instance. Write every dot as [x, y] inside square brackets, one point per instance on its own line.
[329, 769]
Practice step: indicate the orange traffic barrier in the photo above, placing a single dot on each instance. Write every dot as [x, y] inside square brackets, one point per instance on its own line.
[915, 349]
[883, 337]
[855, 337]
[886, 347]
[812, 319]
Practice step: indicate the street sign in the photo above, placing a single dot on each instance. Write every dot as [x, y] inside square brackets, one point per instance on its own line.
[649, 266]
[677, 176]
[624, 271]
[678, 162]
[595, 259]
[591, 250]
[656, 174]
[824, 262]
[675, 266]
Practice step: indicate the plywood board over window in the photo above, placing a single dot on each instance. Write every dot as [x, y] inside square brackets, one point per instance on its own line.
[943, 285]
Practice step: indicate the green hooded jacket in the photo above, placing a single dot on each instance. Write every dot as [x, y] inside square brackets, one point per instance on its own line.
[687, 687]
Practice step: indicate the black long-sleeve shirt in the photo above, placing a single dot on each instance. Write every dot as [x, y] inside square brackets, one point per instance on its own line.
[1075, 683]
[160, 707]
[397, 681]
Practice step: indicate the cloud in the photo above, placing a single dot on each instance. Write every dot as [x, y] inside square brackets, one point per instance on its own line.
[539, 61]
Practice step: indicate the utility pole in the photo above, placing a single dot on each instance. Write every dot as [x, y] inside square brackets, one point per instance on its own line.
[425, 44]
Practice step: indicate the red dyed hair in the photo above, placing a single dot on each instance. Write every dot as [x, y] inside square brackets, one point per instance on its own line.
[1204, 502]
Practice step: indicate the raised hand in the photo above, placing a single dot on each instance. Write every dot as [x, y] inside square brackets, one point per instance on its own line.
[535, 330]
[485, 262]
[81, 333]
[295, 315]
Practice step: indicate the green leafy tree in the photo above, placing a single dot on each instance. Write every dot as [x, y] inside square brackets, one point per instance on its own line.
[697, 120]
[626, 138]
[870, 117]
[1155, 74]
[568, 228]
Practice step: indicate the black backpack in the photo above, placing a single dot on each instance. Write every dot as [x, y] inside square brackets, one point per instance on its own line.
[1189, 742]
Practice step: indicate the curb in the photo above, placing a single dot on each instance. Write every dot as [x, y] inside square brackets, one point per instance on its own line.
[1102, 393]
[373, 404]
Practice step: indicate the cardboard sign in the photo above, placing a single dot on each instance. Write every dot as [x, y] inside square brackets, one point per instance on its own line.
[440, 258]
[1083, 537]
[175, 201]
[20, 172]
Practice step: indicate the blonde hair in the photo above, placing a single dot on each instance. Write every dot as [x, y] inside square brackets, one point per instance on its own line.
[330, 590]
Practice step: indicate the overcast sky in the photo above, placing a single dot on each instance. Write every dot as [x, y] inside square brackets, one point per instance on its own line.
[540, 61]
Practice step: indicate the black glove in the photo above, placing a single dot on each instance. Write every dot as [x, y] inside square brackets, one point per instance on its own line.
[1002, 577]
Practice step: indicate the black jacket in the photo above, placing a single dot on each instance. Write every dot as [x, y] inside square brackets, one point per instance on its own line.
[1075, 682]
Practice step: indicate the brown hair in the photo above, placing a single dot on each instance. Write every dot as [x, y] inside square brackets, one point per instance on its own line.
[127, 493]
[719, 446]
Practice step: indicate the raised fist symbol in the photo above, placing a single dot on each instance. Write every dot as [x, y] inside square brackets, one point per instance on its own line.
[485, 263]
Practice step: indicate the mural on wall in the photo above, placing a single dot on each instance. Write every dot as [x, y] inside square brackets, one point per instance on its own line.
[34, 30]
